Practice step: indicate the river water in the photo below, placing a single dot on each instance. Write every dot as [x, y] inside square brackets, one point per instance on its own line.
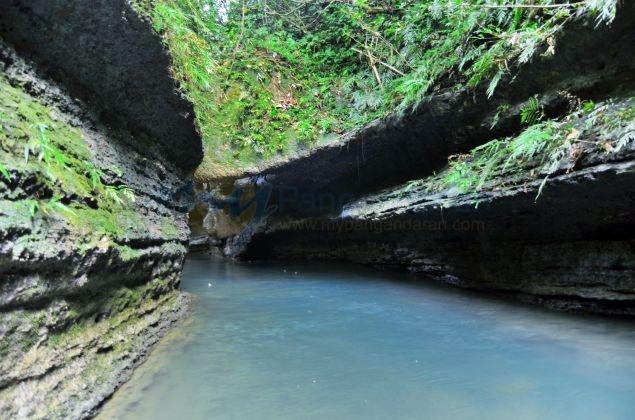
[282, 341]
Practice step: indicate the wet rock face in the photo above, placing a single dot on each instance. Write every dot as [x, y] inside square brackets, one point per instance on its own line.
[105, 54]
[84, 295]
[573, 249]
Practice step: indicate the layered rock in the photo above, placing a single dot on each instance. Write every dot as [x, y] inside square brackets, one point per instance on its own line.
[105, 53]
[570, 246]
[571, 249]
[94, 139]
[590, 62]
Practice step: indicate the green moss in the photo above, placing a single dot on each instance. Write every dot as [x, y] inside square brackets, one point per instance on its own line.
[93, 224]
[36, 142]
[128, 254]
[33, 135]
[169, 230]
[22, 330]
[126, 298]
[172, 248]
[15, 214]
[20, 114]
[123, 306]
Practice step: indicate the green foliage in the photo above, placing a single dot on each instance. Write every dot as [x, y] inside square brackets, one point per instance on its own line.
[531, 113]
[34, 141]
[499, 157]
[529, 143]
[53, 205]
[4, 172]
[269, 76]
[117, 194]
[43, 149]
[541, 149]
[95, 174]
[496, 157]
[461, 177]
[255, 95]
[413, 184]
[502, 109]
[625, 115]
[120, 195]
[33, 208]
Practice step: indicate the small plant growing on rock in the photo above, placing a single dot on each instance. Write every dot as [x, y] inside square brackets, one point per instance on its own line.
[531, 113]
[588, 106]
[120, 194]
[52, 205]
[4, 172]
[117, 194]
[43, 149]
[543, 148]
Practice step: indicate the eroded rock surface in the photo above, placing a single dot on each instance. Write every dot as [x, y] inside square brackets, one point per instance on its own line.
[88, 277]
[590, 62]
[572, 249]
[106, 54]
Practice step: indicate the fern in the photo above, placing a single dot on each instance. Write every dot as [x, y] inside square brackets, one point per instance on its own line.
[531, 113]
[543, 148]
[56, 205]
[95, 174]
[53, 205]
[412, 184]
[502, 109]
[552, 166]
[529, 143]
[624, 140]
[605, 10]
[44, 150]
[493, 83]
[120, 195]
[33, 208]
[377, 55]
[528, 48]
[500, 155]
[488, 156]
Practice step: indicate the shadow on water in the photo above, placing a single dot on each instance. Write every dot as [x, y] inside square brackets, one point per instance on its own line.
[314, 341]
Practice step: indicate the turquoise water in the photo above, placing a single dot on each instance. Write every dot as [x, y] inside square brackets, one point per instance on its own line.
[277, 341]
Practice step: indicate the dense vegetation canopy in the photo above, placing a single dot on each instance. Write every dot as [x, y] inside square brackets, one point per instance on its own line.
[271, 77]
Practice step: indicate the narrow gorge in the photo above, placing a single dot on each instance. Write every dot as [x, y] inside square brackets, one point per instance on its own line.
[395, 161]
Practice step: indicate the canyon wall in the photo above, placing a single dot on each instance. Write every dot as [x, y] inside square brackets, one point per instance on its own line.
[567, 242]
[94, 138]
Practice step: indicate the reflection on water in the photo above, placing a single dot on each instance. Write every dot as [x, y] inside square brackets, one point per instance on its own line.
[307, 342]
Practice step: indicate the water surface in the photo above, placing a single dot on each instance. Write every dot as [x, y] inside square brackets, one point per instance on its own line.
[271, 341]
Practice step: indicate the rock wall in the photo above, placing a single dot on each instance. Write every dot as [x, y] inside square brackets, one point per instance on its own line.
[91, 250]
[103, 52]
[571, 249]
[590, 62]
